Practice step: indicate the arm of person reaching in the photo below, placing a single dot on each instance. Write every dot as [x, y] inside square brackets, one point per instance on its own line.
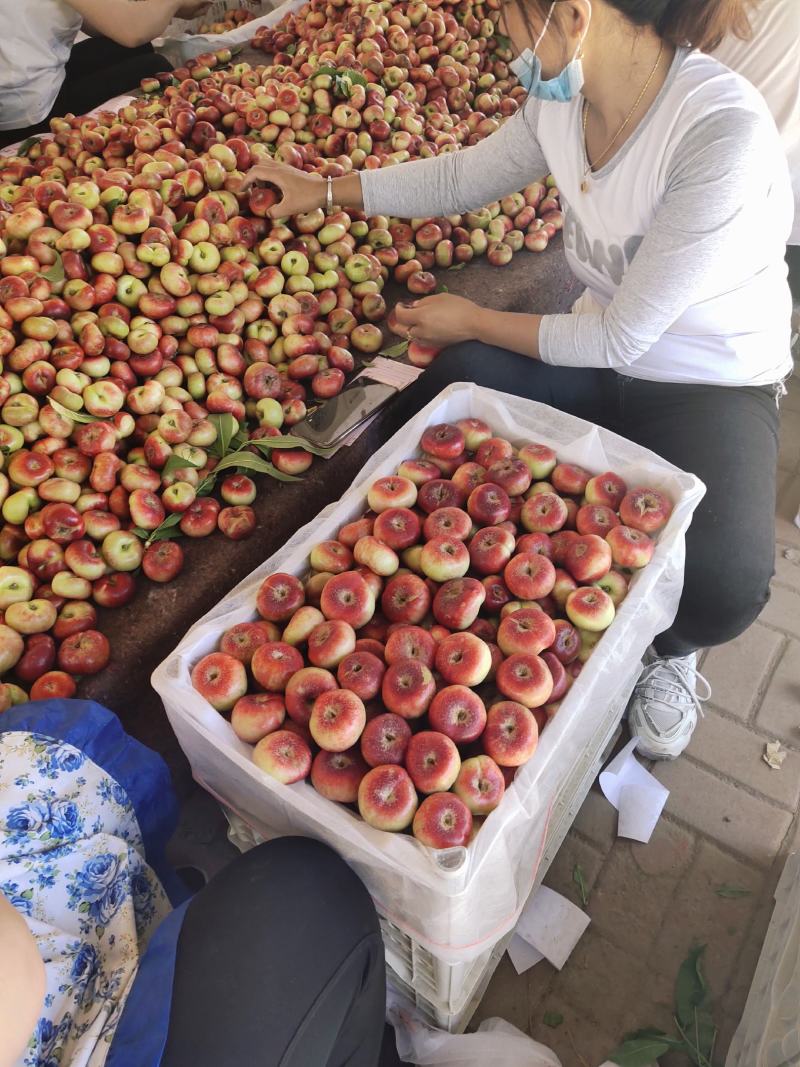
[717, 169]
[503, 163]
[467, 180]
[135, 22]
[22, 980]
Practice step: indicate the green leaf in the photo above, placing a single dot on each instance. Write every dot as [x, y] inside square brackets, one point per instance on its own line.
[76, 416]
[206, 487]
[290, 49]
[177, 463]
[690, 987]
[162, 532]
[395, 351]
[579, 879]
[239, 440]
[457, 266]
[227, 427]
[29, 142]
[642, 1051]
[692, 1015]
[325, 70]
[112, 205]
[247, 461]
[288, 440]
[732, 892]
[502, 41]
[553, 1019]
[442, 289]
[56, 272]
[176, 229]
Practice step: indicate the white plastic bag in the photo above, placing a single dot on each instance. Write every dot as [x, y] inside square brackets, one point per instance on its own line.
[179, 46]
[496, 1043]
[457, 903]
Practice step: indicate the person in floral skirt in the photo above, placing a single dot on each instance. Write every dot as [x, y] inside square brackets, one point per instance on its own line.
[107, 960]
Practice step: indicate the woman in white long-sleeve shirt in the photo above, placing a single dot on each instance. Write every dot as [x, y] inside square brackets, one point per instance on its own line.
[678, 209]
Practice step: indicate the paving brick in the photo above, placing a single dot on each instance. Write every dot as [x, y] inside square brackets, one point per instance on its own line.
[515, 997]
[788, 504]
[738, 671]
[779, 713]
[668, 852]
[578, 1040]
[574, 851]
[736, 752]
[791, 402]
[789, 439]
[745, 967]
[744, 823]
[597, 820]
[602, 979]
[727, 1026]
[628, 906]
[699, 916]
[783, 610]
[787, 566]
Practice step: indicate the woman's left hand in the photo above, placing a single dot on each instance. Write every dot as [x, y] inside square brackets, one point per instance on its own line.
[439, 320]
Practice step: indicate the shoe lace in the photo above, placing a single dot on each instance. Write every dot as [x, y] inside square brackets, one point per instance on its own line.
[667, 679]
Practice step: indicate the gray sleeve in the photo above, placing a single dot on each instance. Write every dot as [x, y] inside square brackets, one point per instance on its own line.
[460, 181]
[716, 169]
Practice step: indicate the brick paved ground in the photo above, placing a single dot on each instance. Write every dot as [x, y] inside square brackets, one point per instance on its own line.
[729, 820]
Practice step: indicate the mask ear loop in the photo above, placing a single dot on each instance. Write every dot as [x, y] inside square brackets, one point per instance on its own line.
[547, 21]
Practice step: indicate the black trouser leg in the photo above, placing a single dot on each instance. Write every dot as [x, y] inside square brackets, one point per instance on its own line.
[793, 260]
[279, 964]
[728, 437]
[585, 392]
[99, 69]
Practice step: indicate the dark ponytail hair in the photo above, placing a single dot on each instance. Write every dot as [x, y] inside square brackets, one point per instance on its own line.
[701, 24]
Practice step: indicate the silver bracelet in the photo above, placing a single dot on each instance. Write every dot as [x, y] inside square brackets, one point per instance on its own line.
[329, 196]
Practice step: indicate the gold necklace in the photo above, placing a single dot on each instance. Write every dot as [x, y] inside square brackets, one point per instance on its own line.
[615, 138]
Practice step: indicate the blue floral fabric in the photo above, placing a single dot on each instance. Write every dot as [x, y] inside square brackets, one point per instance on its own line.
[72, 862]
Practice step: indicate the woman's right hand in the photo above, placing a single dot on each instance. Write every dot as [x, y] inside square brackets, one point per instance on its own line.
[301, 192]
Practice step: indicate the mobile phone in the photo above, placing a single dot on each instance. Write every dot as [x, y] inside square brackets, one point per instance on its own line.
[339, 416]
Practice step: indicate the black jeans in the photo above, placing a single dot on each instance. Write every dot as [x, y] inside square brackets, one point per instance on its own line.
[793, 259]
[97, 70]
[279, 963]
[728, 437]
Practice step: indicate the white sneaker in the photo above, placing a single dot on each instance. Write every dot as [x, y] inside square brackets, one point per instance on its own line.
[664, 705]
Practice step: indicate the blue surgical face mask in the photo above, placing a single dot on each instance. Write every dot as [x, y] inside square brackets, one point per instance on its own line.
[561, 89]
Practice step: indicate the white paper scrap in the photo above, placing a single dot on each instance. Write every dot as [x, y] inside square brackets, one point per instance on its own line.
[523, 955]
[635, 793]
[550, 924]
[391, 372]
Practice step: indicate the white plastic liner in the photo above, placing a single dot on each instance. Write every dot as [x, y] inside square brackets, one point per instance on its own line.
[178, 45]
[459, 902]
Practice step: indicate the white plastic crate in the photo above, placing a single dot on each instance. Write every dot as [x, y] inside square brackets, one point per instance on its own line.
[457, 904]
[769, 1032]
[446, 995]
